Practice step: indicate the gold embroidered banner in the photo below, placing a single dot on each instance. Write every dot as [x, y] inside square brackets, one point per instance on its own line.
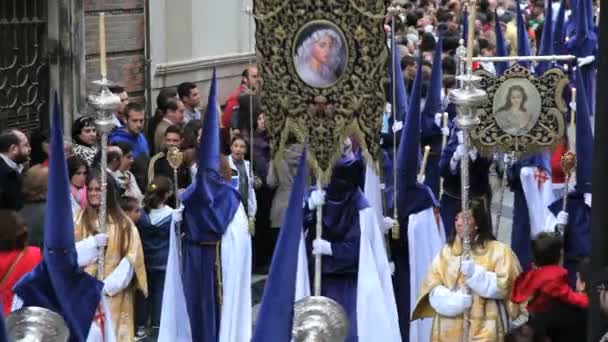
[524, 114]
[324, 65]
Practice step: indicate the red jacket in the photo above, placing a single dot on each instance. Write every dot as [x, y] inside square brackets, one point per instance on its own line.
[557, 174]
[231, 102]
[29, 260]
[544, 284]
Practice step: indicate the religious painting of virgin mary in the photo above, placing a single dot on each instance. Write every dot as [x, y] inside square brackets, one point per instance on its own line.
[517, 106]
[320, 54]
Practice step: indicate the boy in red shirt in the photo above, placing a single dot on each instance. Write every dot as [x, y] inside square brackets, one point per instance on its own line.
[547, 281]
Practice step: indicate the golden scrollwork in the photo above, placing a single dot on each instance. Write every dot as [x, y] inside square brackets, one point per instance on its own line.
[323, 115]
[535, 129]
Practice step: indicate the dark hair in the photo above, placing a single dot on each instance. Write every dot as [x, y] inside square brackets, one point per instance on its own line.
[547, 249]
[448, 65]
[239, 137]
[484, 228]
[508, 104]
[79, 125]
[38, 155]
[171, 105]
[174, 129]
[117, 89]
[161, 105]
[427, 43]
[157, 192]
[128, 203]
[407, 61]
[8, 138]
[112, 156]
[191, 133]
[133, 107]
[13, 231]
[114, 214]
[184, 89]
[124, 147]
[75, 163]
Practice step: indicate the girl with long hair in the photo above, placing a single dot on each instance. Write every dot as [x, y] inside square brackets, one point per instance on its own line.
[489, 273]
[124, 270]
[84, 135]
[77, 172]
[154, 227]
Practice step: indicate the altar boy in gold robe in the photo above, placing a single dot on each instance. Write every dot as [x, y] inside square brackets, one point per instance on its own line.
[489, 274]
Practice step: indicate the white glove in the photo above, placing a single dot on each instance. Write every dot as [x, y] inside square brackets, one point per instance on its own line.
[391, 265]
[387, 223]
[473, 153]
[467, 268]
[321, 247]
[562, 218]
[460, 137]
[449, 303]
[573, 105]
[438, 119]
[459, 153]
[507, 159]
[587, 199]
[420, 179]
[445, 131]
[101, 240]
[388, 108]
[178, 214]
[316, 199]
[586, 60]
[397, 126]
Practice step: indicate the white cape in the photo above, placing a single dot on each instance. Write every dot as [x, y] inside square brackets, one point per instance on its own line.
[426, 237]
[377, 318]
[235, 317]
[537, 199]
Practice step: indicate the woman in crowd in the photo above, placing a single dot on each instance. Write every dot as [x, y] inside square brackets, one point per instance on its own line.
[240, 167]
[16, 257]
[78, 171]
[489, 273]
[124, 270]
[154, 227]
[123, 176]
[281, 175]
[84, 135]
[34, 194]
[263, 240]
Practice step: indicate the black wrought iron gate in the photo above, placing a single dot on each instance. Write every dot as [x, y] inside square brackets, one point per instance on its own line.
[24, 75]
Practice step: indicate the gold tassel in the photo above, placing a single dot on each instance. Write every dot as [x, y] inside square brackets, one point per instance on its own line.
[252, 226]
[396, 231]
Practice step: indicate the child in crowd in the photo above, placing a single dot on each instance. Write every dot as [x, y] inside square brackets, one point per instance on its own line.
[547, 282]
[154, 227]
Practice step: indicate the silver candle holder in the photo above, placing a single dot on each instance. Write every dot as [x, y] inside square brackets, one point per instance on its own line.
[105, 103]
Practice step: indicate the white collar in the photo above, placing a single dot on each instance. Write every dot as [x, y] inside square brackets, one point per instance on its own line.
[11, 163]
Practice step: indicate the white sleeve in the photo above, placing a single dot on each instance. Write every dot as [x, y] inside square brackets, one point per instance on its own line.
[119, 279]
[86, 251]
[484, 283]
[445, 302]
[17, 303]
[454, 165]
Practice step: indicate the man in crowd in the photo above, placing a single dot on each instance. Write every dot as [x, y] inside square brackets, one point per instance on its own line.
[174, 115]
[159, 165]
[189, 95]
[132, 134]
[119, 118]
[14, 152]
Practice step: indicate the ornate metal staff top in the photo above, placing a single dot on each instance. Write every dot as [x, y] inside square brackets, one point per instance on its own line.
[466, 99]
[105, 103]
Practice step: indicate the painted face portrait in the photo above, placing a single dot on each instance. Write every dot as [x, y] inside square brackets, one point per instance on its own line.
[517, 108]
[319, 60]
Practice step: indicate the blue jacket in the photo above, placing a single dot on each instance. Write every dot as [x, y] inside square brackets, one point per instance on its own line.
[138, 141]
[154, 229]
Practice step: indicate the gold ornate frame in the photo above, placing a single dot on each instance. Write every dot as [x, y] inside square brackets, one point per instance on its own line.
[323, 117]
[489, 137]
